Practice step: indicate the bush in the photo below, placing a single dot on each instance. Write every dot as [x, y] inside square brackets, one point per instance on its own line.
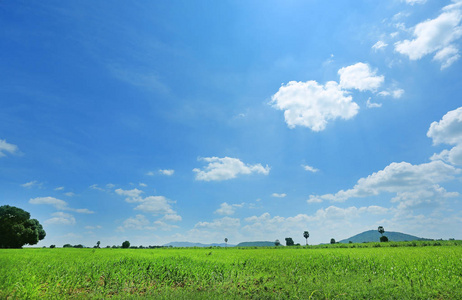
[383, 239]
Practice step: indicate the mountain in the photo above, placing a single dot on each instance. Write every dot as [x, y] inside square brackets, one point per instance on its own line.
[256, 244]
[374, 236]
[189, 244]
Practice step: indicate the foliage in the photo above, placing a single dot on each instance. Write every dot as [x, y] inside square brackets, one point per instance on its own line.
[18, 229]
[332, 241]
[277, 243]
[126, 244]
[381, 230]
[385, 272]
[383, 239]
[289, 241]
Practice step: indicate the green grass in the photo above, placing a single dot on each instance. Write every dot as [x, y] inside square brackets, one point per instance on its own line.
[265, 273]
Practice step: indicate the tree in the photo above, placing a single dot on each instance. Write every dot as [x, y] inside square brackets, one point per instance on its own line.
[226, 242]
[126, 244]
[306, 235]
[97, 244]
[382, 238]
[277, 243]
[18, 229]
[381, 230]
[332, 241]
[289, 241]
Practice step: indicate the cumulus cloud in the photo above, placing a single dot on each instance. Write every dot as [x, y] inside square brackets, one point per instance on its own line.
[228, 209]
[448, 131]
[61, 218]
[436, 36]
[360, 76]
[167, 172]
[172, 218]
[7, 147]
[310, 104]
[226, 168]
[395, 178]
[132, 195]
[156, 205]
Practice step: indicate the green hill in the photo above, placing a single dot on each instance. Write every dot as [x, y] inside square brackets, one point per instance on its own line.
[374, 236]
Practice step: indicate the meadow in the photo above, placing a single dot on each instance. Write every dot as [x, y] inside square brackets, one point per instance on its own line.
[430, 270]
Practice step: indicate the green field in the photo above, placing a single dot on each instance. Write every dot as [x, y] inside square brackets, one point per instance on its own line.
[358, 271]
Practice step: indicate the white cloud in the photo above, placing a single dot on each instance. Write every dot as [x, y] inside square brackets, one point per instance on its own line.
[60, 218]
[31, 184]
[61, 188]
[58, 204]
[156, 205]
[309, 168]
[224, 224]
[397, 93]
[228, 209]
[436, 35]
[69, 194]
[370, 104]
[139, 222]
[172, 218]
[310, 104]
[226, 168]
[96, 187]
[360, 76]
[276, 195]
[142, 184]
[132, 195]
[167, 172]
[395, 178]
[7, 147]
[448, 131]
[412, 2]
[379, 45]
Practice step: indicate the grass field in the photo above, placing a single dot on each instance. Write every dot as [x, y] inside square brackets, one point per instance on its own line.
[355, 272]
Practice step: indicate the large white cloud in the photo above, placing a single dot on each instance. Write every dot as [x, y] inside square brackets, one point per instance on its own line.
[448, 131]
[436, 36]
[360, 76]
[226, 168]
[395, 178]
[156, 205]
[7, 147]
[310, 104]
[58, 204]
[61, 218]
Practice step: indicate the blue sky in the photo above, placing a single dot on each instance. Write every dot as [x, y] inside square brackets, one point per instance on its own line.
[194, 121]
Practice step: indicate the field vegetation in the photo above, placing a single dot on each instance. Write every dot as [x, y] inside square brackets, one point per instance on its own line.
[412, 270]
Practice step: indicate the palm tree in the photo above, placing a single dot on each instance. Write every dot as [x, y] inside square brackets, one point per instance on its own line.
[306, 235]
[226, 241]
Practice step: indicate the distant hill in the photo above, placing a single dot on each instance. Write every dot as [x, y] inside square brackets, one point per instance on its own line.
[256, 244]
[189, 244]
[374, 236]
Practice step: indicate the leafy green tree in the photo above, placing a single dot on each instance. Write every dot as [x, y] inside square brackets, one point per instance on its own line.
[18, 229]
[383, 239]
[306, 235]
[289, 241]
[332, 241]
[381, 230]
[277, 243]
[226, 242]
[126, 244]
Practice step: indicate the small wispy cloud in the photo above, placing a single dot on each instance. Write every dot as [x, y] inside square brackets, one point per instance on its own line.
[310, 168]
[276, 195]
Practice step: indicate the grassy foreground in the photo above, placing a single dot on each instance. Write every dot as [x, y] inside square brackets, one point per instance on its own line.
[433, 272]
